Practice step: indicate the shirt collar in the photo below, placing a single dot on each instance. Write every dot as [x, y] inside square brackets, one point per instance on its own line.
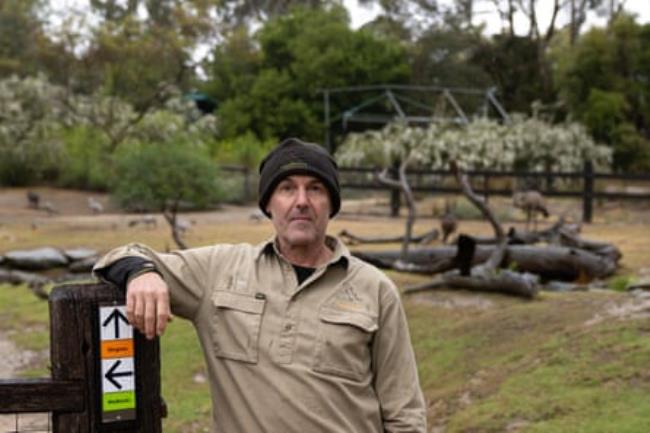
[341, 254]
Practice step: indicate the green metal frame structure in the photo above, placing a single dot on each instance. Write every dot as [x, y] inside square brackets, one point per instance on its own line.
[417, 105]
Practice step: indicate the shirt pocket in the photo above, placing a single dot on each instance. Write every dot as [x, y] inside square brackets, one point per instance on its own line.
[236, 325]
[343, 347]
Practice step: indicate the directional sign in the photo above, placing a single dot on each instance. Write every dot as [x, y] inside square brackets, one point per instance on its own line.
[117, 365]
[114, 325]
[117, 375]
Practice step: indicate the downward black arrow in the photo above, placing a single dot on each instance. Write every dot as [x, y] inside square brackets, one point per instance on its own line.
[110, 374]
[115, 316]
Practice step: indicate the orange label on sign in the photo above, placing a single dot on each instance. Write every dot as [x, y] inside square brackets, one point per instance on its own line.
[117, 349]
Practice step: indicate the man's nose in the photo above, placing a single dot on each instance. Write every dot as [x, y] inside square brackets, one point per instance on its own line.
[301, 197]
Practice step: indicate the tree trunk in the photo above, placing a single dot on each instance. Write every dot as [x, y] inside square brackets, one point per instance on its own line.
[403, 185]
[170, 215]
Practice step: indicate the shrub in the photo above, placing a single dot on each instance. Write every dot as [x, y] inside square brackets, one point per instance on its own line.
[165, 176]
[86, 159]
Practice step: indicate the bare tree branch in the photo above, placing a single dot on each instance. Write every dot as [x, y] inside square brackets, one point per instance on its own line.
[403, 185]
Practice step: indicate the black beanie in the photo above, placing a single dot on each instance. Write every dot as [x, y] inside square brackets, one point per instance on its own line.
[294, 156]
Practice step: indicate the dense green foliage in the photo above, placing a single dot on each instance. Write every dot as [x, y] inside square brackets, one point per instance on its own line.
[605, 82]
[269, 83]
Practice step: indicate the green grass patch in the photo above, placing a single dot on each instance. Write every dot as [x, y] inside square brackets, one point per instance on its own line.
[621, 283]
[188, 402]
[21, 308]
[25, 320]
[536, 366]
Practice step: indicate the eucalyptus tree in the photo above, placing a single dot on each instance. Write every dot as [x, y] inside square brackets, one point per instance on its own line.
[276, 81]
[26, 47]
[603, 82]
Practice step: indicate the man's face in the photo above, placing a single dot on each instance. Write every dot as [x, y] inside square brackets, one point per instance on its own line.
[300, 207]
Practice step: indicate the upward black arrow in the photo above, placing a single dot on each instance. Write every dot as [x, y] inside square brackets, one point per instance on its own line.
[116, 315]
[110, 374]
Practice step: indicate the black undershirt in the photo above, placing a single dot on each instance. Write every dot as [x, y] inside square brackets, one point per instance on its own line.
[302, 273]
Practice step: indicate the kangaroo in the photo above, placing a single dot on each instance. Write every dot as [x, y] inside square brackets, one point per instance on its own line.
[448, 222]
[531, 202]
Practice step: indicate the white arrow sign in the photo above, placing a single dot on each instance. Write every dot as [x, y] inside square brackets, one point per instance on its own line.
[117, 375]
[113, 323]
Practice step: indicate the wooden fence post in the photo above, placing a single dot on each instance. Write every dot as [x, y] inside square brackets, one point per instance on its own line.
[74, 393]
[395, 193]
[75, 355]
[588, 192]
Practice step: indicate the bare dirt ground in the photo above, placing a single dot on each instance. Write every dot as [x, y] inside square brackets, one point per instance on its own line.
[13, 361]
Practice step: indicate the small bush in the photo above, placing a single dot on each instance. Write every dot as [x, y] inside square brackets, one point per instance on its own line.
[161, 176]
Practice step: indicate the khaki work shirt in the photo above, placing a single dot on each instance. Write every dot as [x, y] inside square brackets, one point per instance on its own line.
[332, 354]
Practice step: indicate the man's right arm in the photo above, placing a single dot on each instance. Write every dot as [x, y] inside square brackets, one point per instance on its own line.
[147, 294]
[153, 282]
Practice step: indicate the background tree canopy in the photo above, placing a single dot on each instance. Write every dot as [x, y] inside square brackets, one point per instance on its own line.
[80, 90]
[268, 83]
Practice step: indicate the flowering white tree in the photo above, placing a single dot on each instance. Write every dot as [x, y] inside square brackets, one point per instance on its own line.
[29, 120]
[395, 144]
[38, 118]
[523, 143]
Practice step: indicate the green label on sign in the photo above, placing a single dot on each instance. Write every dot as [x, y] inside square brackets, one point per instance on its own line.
[118, 401]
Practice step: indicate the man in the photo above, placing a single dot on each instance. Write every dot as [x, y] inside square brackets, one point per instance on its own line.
[298, 335]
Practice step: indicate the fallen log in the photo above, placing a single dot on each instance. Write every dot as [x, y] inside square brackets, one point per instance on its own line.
[549, 262]
[559, 234]
[486, 277]
[484, 280]
[602, 249]
[422, 239]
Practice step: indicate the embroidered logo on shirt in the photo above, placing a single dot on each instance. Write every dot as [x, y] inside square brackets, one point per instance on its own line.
[348, 299]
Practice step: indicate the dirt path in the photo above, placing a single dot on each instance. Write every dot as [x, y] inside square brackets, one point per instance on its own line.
[13, 360]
